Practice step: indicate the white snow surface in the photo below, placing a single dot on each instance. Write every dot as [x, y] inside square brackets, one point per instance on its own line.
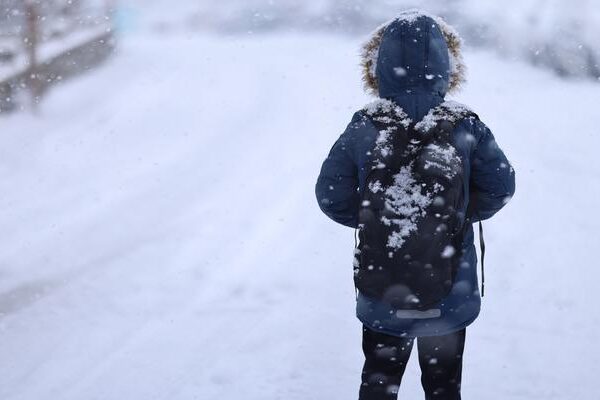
[161, 239]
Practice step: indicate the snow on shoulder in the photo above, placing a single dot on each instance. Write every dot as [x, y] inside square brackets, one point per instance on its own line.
[451, 111]
[390, 113]
[393, 116]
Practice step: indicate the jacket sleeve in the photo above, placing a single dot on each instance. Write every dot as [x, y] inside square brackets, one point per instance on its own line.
[492, 182]
[337, 185]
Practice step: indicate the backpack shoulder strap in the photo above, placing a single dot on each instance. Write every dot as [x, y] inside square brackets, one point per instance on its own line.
[482, 249]
[386, 114]
[447, 114]
[389, 119]
[445, 118]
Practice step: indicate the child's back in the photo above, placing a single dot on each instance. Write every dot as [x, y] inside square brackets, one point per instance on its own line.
[411, 63]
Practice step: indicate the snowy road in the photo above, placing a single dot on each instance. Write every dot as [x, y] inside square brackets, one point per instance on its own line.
[161, 239]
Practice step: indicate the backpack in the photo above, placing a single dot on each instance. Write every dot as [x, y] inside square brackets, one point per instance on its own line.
[411, 217]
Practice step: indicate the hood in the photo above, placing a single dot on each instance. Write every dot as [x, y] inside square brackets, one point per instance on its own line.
[415, 60]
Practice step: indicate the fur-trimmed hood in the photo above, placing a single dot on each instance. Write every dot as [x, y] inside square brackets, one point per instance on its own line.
[413, 53]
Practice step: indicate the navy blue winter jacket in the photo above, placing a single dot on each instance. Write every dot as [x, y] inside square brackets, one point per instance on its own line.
[420, 49]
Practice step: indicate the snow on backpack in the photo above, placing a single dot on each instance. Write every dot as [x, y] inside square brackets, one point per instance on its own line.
[411, 219]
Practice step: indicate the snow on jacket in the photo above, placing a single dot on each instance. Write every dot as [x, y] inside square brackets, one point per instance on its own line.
[414, 61]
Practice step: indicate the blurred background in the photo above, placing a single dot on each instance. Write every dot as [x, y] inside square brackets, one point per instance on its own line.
[54, 39]
[160, 238]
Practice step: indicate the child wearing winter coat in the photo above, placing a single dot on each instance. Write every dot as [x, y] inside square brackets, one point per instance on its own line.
[412, 172]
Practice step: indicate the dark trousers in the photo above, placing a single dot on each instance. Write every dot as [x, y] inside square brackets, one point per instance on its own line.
[440, 358]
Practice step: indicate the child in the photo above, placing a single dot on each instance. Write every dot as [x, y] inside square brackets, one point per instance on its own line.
[412, 172]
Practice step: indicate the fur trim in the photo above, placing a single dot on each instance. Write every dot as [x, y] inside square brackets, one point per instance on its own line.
[370, 52]
[368, 60]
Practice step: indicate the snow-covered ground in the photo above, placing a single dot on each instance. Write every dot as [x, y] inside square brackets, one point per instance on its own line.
[160, 237]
